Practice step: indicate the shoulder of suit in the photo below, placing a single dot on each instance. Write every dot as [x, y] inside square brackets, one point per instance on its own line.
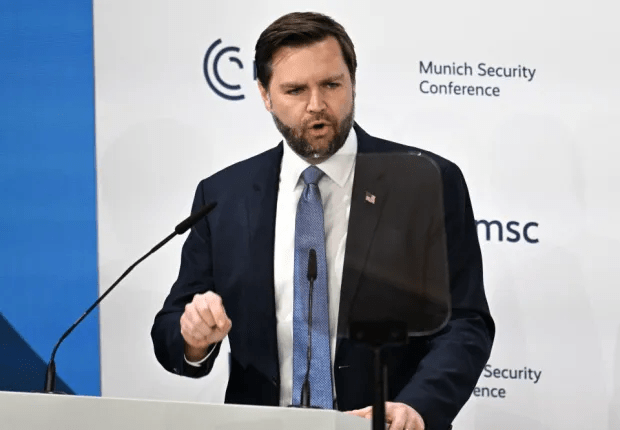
[246, 170]
[388, 146]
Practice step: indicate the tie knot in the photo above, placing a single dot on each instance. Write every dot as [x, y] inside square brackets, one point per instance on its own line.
[312, 175]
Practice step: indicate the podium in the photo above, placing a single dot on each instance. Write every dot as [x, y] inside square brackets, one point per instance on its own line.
[27, 411]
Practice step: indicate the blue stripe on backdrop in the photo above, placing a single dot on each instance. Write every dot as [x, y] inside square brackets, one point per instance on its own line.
[48, 230]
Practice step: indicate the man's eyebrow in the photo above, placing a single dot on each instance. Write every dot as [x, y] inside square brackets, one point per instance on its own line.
[292, 85]
[288, 85]
[333, 78]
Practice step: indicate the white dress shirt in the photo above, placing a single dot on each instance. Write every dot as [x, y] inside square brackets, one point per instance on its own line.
[336, 187]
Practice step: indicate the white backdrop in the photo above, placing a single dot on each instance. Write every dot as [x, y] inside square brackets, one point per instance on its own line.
[544, 151]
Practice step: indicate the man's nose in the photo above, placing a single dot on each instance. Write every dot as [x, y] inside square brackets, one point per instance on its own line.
[317, 101]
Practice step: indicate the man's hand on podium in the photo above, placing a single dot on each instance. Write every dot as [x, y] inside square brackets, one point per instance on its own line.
[203, 323]
[399, 415]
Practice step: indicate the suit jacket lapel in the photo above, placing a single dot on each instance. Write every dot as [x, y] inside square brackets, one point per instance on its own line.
[260, 206]
[367, 199]
[262, 200]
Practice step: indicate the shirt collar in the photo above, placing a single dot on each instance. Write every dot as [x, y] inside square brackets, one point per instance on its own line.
[338, 167]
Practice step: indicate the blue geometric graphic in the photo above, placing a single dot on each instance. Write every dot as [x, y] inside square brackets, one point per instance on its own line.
[21, 369]
[48, 229]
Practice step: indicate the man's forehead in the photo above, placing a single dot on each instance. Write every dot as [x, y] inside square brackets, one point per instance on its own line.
[293, 60]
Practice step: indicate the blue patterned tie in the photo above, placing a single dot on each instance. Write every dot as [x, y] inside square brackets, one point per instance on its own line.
[310, 234]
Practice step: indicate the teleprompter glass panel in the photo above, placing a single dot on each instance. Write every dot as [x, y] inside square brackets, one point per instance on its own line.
[396, 265]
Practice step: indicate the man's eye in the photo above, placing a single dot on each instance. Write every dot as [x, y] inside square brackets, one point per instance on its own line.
[333, 85]
[294, 91]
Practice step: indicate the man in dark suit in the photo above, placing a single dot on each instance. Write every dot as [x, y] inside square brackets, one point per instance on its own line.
[237, 276]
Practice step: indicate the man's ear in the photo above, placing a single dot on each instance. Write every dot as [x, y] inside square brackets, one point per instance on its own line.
[264, 94]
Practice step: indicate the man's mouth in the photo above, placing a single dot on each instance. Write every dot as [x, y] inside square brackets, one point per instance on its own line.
[319, 125]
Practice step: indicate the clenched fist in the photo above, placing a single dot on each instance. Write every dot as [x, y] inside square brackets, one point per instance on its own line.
[203, 323]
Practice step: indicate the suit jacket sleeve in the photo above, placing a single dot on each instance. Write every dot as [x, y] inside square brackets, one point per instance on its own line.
[447, 375]
[195, 277]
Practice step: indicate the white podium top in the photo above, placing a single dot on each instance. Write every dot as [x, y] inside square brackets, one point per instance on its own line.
[26, 411]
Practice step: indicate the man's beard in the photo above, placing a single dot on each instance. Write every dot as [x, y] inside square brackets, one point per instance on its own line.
[303, 148]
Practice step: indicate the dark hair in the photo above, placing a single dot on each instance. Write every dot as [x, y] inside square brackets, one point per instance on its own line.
[300, 29]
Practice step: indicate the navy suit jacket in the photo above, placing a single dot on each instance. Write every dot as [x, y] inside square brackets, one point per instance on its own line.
[231, 251]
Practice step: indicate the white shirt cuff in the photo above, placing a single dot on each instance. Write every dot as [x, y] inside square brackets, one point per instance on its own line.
[199, 363]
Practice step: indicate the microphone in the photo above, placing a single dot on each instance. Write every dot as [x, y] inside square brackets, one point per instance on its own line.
[186, 224]
[312, 265]
[305, 388]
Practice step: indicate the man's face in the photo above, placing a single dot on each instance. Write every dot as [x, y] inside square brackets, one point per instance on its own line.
[311, 98]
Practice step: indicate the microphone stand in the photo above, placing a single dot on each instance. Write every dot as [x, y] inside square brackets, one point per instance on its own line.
[305, 388]
[50, 374]
[378, 334]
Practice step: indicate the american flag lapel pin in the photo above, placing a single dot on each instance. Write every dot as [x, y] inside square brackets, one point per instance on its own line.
[370, 198]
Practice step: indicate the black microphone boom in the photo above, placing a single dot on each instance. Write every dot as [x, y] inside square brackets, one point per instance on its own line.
[312, 265]
[305, 388]
[186, 224]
